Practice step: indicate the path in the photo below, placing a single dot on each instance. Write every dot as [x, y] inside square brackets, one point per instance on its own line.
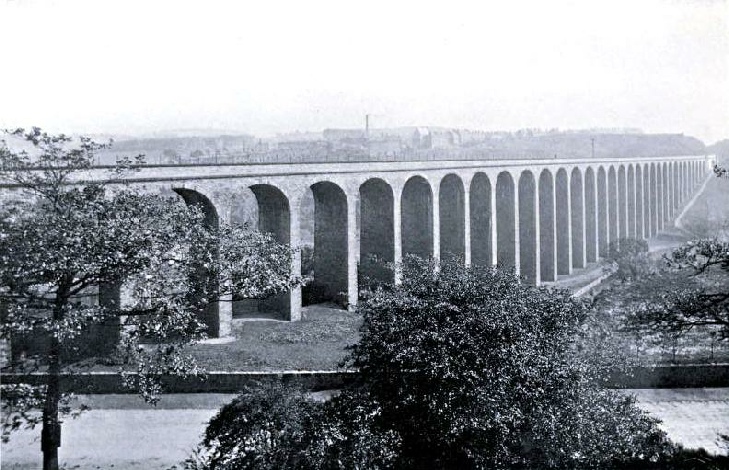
[121, 432]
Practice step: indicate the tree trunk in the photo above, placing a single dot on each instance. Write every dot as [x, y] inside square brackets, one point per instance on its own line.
[51, 433]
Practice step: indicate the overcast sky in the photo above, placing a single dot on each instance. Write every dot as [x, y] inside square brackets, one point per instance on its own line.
[129, 67]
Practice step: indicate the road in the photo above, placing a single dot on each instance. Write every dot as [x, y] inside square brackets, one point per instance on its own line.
[121, 432]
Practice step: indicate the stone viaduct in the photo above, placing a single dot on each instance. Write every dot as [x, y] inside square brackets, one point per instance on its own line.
[544, 218]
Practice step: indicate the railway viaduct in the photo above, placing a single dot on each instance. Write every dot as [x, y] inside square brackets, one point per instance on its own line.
[544, 218]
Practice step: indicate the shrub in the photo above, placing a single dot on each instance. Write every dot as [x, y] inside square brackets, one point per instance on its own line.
[274, 426]
[474, 369]
[458, 368]
[629, 260]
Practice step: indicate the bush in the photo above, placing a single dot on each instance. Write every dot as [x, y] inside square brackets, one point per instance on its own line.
[474, 369]
[459, 368]
[628, 259]
[274, 426]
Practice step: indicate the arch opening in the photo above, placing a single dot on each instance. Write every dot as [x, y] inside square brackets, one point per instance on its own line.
[653, 198]
[631, 202]
[590, 217]
[547, 240]
[324, 236]
[563, 222]
[613, 199]
[481, 220]
[417, 218]
[667, 209]
[269, 213]
[676, 186]
[622, 203]
[603, 233]
[576, 219]
[505, 221]
[528, 240]
[660, 194]
[639, 203]
[204, 283]
[452, 217]
[377, 243]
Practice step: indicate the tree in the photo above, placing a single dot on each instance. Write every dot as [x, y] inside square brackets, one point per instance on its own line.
[474, 369]
[686, 292]
[699, 302]
[65, 239]
[459, 367]
[628, 259]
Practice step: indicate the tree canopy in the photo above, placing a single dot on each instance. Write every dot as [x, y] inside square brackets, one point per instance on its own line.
[67, 240]
[459, 368]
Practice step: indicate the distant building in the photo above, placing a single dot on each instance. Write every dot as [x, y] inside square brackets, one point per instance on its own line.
[333, 135]
[421, 138]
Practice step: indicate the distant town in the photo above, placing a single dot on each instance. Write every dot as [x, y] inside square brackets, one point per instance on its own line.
[195, 147]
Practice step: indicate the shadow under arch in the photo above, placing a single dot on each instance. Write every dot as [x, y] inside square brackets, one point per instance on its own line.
[204, 282]
[377, 238]
[325, 260]
[528, 227]
[481, 220]
[452, 217]
[505, 221]
[417, 218]
[273, 217]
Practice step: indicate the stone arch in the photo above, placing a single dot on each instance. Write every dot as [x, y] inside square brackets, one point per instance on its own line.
[271, 213]
[204, 282]
[676, 187]
[622, 203]
[667, 207]
[613, 208]
[528, 239]
[639, 206]
[660, 193]
[547, 239]
[506, 221]
[481, 220]
[325, 255]
[452, 216]
[417, 217]
[377, 245]
[563, 222]
[590, 216]
[653, 200]
[274, 215]
[193, 197]
[577, 207]
[631, 202]
[603, 232]
[647, 212]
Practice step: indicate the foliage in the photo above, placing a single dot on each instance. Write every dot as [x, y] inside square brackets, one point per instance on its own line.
[476, 369]
[720, 171]
[463, 368]
[628, 259]
[68, 236]
[700, 302]
[272, 426]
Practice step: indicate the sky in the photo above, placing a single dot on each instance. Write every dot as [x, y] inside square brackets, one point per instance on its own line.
[143, 67]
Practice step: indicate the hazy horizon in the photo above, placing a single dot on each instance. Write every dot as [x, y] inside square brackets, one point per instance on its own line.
[133, 68]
